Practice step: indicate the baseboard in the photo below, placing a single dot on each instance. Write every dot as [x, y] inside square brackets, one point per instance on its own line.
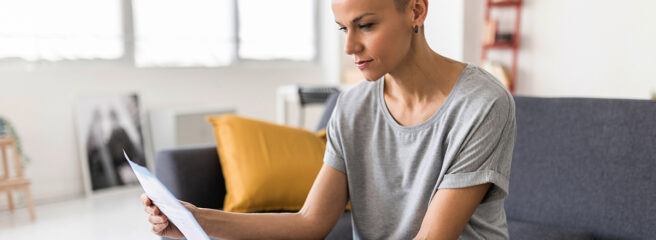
[19, 199]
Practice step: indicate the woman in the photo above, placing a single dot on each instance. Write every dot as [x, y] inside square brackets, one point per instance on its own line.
[422, 148]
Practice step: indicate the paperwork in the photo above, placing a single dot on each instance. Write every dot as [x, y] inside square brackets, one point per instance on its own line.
[167, 203]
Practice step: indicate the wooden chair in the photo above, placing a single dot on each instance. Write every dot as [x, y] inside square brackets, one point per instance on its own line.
[9, 183]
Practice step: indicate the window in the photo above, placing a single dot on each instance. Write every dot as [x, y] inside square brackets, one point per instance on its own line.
[60, 30]
[166, 32]
[217, 32]
[184, 33]
[286, 33]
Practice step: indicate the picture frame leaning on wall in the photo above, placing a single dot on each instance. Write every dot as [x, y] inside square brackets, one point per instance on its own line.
[105, 125]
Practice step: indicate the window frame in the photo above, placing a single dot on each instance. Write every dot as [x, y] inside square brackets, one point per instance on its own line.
[128, 57]
[316, 33]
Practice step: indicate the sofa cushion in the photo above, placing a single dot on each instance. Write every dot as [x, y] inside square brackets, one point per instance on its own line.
[266, 167]
[587, 164]
[520, 230]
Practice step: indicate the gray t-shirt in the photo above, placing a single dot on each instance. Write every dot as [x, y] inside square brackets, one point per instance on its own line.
[393, 171]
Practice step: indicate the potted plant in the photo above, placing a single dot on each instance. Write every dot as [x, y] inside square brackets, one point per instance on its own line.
[7, 129]
[2, 128]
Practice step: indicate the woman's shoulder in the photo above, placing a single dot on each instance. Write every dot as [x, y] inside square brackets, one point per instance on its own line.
[479, 93]
[360, 90]
[479, 86]
[358, 96]
[477, 80]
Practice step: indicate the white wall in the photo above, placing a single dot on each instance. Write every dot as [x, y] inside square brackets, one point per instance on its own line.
[473, 30]
[40, 104]
[444, 27]
[331, 41]
[588, 48]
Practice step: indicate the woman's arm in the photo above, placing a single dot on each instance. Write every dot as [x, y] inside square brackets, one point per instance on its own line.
[449, 212]
[322, 208]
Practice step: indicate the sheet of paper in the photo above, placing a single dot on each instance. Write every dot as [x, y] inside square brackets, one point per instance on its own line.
[167, 203]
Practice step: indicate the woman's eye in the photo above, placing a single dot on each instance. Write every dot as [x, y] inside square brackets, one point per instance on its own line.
[361, 26]
[368, 25]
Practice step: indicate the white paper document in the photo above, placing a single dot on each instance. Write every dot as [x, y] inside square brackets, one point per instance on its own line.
[167, 203]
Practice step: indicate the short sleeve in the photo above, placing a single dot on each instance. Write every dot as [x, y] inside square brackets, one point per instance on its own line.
[486, 153]
[334, 155]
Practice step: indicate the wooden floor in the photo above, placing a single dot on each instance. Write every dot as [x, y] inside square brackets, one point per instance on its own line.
[110, 215]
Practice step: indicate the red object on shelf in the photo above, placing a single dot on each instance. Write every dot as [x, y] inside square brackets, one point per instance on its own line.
[499, 45]
[514, 46]
[504, 3]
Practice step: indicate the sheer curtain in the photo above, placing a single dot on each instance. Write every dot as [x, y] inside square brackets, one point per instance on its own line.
[184, 33]
[280, 29]
[166, 32]
[60, 30]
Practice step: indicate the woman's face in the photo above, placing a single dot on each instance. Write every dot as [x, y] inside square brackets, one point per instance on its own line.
[377, 35]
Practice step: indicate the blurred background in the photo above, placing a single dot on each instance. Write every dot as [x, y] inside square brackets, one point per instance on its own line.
[77, 77]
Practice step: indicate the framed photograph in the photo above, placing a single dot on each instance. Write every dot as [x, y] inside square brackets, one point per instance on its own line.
[106, 126]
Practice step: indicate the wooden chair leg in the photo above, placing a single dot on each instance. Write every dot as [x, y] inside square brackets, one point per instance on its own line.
[29, 203]
[10, 199]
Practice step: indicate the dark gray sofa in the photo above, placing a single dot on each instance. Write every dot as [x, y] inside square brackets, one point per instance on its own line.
[588, 165]
[582, 168]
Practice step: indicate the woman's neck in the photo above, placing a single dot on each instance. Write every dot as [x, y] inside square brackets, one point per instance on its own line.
[422, 77]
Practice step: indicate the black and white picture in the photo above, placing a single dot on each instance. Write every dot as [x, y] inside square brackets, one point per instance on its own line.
[106, 126]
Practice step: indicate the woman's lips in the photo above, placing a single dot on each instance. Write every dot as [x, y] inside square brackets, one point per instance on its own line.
[363, 64]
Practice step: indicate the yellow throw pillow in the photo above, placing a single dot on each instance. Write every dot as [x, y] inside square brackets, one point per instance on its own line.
[266, 167]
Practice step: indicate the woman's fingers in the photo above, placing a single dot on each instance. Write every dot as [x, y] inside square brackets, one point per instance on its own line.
[150, 207]
[159, 223]
[152, 210]
[158, 228]
[145, 200]
[157, 219]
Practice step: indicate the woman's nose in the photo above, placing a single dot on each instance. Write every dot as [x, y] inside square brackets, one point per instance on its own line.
[353, 44]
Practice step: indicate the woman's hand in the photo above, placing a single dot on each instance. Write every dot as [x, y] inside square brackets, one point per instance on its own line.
[160, 223]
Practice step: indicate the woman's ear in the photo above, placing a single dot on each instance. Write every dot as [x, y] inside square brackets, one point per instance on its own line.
[419, 9]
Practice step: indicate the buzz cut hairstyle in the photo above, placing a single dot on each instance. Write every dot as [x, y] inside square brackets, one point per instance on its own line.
[400, 4]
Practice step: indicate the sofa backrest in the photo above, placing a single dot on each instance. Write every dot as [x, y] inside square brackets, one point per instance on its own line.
[585, 163]
[328, 108]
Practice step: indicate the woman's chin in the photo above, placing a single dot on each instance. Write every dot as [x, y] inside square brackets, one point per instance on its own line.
[371, 76]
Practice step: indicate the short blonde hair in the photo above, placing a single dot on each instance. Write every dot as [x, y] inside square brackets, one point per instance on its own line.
[400, 4]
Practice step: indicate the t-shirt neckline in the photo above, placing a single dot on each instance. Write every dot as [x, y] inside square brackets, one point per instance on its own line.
[388, 116]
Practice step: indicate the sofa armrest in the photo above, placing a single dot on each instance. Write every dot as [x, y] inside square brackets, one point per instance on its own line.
[192, 174]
